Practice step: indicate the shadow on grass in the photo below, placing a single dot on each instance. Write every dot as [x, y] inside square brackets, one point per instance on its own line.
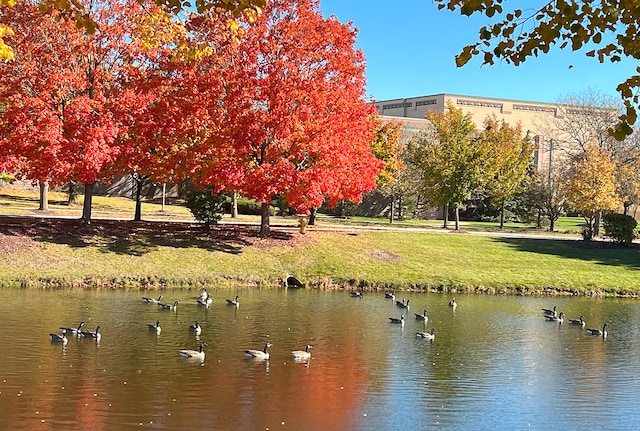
[133, 238]
[601, 252]
[11, 200]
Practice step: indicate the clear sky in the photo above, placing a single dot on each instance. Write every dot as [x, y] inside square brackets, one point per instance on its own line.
[410, 48]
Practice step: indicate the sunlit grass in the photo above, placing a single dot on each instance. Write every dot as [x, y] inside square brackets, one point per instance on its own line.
[431, 259]
[380, 259]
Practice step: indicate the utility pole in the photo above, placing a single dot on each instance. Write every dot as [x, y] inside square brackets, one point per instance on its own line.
[550, 159]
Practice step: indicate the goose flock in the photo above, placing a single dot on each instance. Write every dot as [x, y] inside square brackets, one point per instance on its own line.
[552, 315]
[420, 317]
[77, 331]
[204, 299]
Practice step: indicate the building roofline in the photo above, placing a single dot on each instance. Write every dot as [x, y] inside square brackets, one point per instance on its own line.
[445, 95]
[404, 119]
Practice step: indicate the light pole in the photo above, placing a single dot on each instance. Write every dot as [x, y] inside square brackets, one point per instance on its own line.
[550, 159]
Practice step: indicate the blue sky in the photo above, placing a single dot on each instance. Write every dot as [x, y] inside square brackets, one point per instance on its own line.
[410, 48]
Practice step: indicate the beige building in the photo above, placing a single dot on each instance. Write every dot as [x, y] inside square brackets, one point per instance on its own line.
[534, 117]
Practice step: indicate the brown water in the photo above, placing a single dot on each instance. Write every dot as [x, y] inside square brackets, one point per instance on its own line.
[495, 363]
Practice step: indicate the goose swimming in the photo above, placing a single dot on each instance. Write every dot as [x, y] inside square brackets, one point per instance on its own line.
[74, 331]
[258, 354]
[302, 354]
[234, 302]
[427, 335]
[59, 338]
[155, 328]
[193, 354]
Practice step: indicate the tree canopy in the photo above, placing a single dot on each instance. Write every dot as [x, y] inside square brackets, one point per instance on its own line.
[510, 157]
[81, 14]
[605, 30]
[69, 103]
[276, 107]
[448, 158]
[592, 186]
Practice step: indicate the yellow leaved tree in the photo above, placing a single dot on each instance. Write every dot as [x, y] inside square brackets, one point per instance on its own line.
[592, 187]
[510, 157]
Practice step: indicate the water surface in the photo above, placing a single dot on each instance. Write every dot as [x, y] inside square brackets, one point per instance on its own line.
[495, 363]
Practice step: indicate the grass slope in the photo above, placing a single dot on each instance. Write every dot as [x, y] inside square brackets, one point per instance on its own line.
[58, 253]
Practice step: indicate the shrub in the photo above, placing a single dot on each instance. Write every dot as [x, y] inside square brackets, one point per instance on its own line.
[5, 177]
[205, 206]
[619, 227]
[247, 206]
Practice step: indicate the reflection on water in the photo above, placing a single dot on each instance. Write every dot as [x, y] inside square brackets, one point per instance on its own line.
[495, 362]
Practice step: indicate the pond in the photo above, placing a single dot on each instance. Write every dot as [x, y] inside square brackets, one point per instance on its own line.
[495, 363]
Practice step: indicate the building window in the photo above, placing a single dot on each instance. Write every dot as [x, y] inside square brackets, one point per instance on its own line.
[478, 103]
[533, 108]
[397, 105]
[426, 102]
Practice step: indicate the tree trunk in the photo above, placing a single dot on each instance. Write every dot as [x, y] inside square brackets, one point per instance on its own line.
[234, 205]
[265, 229]
[626, 206]
[445, 216]
[502, 215]
[44, 197]
[72, 192]
[164, 195]
[539, 220]
[391, 207]
[457, 218]
[88, 198]
[400, 213]
[312, 216]
[587, 233]
[552, 224]
[137, 181]
[596, 224]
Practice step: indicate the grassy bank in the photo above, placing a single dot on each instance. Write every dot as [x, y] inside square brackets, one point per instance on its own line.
[58, 253]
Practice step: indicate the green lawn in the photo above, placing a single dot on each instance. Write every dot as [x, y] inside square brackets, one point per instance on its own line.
[397, 260]
[153, 256]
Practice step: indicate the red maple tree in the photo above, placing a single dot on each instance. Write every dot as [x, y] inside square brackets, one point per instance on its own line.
[294, 109]
[67, 94]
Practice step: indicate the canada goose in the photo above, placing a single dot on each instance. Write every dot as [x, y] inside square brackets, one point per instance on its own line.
[357, 295]
[156, 328]
[453, 304]
[206, 301]
[153, 300]
[95, 335]
[74, 331]
[390, 296]
[193, 354]
[203, 294]
[427, 335]
[579, 322]
[59, 338]
[195, 328]
[422, 316]
[302, 354]
[403, 304]
[234, 302]
[171, 307]
[548, 312]
[396, 320]
[559, 318]
[602, 332]
[258, 354]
